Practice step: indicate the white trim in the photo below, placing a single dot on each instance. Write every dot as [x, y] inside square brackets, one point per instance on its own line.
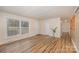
[20, 32]
[74, 46]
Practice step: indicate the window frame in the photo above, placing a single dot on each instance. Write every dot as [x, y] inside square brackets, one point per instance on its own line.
[24, 27]
[20, 31]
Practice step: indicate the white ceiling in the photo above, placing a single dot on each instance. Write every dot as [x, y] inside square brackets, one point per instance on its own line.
[40, 11]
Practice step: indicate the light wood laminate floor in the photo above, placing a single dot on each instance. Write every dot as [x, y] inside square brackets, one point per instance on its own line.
[40, 44]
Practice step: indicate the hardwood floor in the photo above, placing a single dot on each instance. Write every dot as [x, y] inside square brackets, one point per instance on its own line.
[40, 44]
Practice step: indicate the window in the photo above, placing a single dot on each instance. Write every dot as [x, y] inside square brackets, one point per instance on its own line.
[15, 27]
[12, 27]
[24, 27]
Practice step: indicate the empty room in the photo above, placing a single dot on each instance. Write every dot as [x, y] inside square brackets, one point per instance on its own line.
[39, 29]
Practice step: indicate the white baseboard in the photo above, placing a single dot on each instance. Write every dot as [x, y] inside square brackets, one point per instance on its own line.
[74, 46]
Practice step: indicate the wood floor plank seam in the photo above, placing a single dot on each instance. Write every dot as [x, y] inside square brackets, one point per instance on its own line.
[40, 44]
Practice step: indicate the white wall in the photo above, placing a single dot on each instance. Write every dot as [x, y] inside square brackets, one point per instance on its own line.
[42, 26]
[50, 23]
[34, 25]
[65, 26]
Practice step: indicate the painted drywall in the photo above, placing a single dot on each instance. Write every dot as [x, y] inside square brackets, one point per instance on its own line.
[33, 29]
[65, 25]
[40, 11]
[47, 24]
[36, 27]
[42, 26]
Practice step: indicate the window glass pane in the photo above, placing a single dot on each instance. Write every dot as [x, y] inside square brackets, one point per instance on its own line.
[24, 27]
[12, 27]
[13, 23]
[24, 24]
[24, 30]
[12, 31]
